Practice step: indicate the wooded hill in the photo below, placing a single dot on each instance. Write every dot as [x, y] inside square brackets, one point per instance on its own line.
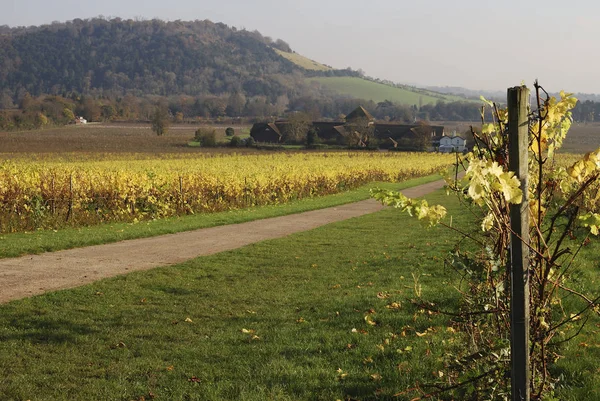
[146, 58]
[124, 69]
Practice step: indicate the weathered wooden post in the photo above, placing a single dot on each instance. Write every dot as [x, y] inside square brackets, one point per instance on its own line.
[518, 132]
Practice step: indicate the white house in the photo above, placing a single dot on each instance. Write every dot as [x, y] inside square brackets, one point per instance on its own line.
[449, 144]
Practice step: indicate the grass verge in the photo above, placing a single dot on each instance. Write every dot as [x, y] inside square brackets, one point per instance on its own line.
[12, 245]
[319, 315]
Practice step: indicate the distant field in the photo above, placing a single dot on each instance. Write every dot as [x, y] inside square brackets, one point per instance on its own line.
[364, 89]
[581, 138]
[302, 61]
[139, 138]
[109, 138]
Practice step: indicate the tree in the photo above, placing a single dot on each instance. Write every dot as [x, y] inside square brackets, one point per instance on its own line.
[282, 45]
[296, 128]
[160, 120]
[90, 110]
[41, 120]
[68, 115]
[423, 133]
[6, 101]
[359, 132]
[235, 105]
[108, 112]
[312, 138]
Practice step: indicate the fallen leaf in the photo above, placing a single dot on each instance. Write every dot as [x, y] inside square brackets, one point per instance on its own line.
[393, 305]
[341, 374]
[248, 331]
[187, 319]
[194, 379]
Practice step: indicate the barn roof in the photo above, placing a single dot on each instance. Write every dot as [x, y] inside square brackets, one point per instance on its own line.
[359, 112]
[385, 130]
[274, 128]
[340, 129]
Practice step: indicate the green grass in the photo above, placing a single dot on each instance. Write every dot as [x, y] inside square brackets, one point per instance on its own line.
[16, 244]
[364, 89]
[176, 333]
[302, 61]
[127, 337]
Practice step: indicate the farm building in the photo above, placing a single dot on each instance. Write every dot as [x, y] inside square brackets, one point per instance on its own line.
[360, 113]
[450, 144]
[266, 133]
[336, 132]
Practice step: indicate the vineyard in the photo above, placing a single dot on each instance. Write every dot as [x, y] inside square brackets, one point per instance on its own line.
[42, 193]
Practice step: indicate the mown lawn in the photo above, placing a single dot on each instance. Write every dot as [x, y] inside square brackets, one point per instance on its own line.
[320, 315]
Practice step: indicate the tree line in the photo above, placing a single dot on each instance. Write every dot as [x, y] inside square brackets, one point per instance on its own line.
[30, 112]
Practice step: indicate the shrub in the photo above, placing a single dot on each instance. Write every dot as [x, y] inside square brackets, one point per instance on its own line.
[230, 131]
[312, 138]
[236, 141]
[206, 137]
[250, 142]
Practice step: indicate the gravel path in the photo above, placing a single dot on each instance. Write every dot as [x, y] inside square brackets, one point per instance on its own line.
[35, 274]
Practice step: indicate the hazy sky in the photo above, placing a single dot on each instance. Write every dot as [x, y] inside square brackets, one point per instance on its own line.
[475, 44]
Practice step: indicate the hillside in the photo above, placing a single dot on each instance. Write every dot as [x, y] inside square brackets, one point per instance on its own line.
[115, 69]
[303, 62]
[116, 57]
[378, 92]
[143, 57]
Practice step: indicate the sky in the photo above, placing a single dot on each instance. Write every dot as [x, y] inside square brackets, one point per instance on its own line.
[480, 45]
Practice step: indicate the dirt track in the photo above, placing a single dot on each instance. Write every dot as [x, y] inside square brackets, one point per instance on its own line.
[35, 274]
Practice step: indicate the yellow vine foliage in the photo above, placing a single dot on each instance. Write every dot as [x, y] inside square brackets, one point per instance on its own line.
[49, 193]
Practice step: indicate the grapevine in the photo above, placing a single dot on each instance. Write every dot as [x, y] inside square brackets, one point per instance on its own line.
[563, 201]
[55, 193]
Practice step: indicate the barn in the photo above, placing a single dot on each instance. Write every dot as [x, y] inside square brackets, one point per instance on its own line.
[266, 133]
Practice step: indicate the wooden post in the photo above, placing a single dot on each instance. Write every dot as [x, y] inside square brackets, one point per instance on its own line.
[518, 132]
